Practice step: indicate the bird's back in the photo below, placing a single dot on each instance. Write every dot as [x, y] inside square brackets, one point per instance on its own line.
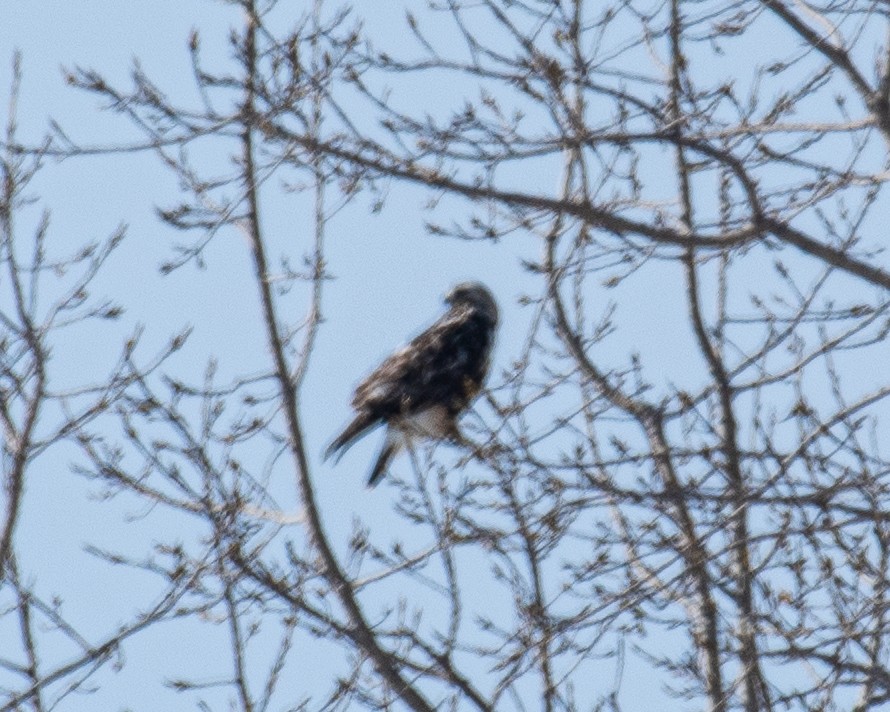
[444, 365]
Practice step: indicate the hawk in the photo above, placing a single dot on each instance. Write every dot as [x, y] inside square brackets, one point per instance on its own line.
[419, 391]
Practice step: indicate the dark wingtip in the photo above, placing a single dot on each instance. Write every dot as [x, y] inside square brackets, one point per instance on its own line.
[335, 450]
[328, 453]
[351, 433]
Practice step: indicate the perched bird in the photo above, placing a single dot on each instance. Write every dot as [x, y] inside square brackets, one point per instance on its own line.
[419, 391]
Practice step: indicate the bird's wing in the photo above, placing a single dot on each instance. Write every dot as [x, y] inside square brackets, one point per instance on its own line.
[429, 370]
[358, 428]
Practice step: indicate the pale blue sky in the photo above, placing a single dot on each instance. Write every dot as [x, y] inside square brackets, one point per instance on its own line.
[389, 280]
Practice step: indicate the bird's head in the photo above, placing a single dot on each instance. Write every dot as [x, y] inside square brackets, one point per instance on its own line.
[476, 296]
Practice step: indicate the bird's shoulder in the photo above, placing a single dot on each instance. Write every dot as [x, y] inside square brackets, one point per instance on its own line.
[413, 361]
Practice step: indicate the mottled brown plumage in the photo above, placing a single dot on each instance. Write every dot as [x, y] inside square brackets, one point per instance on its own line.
[421, 389]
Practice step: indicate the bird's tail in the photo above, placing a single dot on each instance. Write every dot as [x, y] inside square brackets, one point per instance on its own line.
[390, 447]
[360, 426]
